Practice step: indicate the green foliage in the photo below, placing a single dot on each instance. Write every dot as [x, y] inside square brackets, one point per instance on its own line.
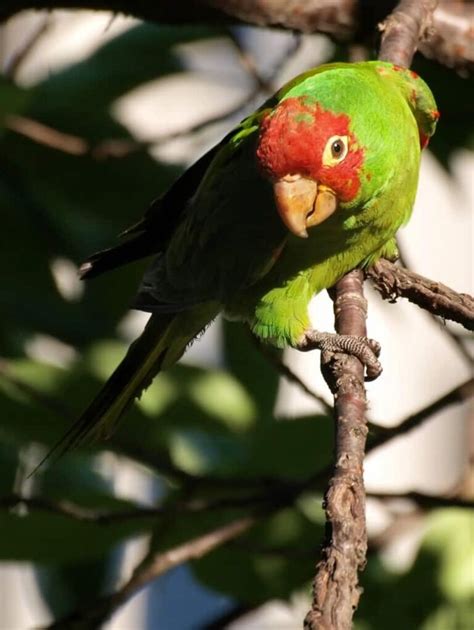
[272, 561]
[208, 434]
[438, 590]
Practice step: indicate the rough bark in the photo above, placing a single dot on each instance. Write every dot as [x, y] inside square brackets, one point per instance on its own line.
[392, 282]
[335, 591]
[404, 29]
[449, 40]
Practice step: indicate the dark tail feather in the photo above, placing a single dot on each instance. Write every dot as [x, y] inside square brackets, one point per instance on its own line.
[161, 344]
[139, 247]
[133, 375]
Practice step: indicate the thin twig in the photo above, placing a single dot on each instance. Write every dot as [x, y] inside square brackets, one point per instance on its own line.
[154, 565]
[75, 511]
[381, 435]
[458, 395]
[268, 353]
[104, 517]
[21, 53]
[46, 135]
[392, 281]
[449, 41]
[424, 501]
[48, 402]
[452, 336]
[249, 63]
[73, 144]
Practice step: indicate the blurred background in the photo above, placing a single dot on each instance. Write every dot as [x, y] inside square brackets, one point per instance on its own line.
[98, 115]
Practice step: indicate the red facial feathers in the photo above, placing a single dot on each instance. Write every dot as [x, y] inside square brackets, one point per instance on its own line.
[425, 139]
[292, 141]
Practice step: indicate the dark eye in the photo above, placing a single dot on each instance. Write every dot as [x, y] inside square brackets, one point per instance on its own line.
[335, 150]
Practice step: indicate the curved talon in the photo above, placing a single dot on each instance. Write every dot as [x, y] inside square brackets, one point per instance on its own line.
[366, 350]
[374, 345]
[373, 368]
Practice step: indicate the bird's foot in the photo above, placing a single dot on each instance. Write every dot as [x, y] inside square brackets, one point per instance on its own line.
[366, 350]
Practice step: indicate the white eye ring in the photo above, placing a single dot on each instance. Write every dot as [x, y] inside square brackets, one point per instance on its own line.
[335, 150]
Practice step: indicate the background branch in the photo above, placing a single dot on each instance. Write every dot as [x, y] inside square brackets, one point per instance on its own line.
[458, 395]
[392, 281]
[13, 63]
[152, 566]
[454, 337]
[424, 501]
[449, 40]
[402, 31]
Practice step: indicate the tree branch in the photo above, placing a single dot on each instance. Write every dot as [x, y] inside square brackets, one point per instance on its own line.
[449, 40]
[265, 498]
[402, 31]
[287, 373]
[454, 338]
[15, 60]
[154, 565]
[458, 395]
[335, 589]
[75, 511]
[424, 501]
[392, 282]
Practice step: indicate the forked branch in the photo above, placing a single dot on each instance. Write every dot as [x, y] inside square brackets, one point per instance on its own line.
[336, 591]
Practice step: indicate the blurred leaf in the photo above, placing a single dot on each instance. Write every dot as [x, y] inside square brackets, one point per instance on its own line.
[84, 210]
[8, 468]
[13, 99]
[286, 450]
[141, 54]
[62, 204]
[68, 586]
[224, 398]
[227, 440]
[275, 559]
[456, 553]
[292, 449]
[53, 538]
[436, 590]
[65, 588]
[78, 479]
[251, 368]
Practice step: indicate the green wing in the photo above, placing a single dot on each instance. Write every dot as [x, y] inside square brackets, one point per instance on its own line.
[224, 239]
[221, 209]
[152, 234]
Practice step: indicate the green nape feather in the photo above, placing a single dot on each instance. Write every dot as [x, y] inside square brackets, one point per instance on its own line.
[221, 244]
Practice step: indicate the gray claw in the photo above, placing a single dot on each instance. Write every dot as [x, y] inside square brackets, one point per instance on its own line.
[366, 350]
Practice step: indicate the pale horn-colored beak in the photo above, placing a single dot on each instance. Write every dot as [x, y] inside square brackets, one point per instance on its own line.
[301, 203]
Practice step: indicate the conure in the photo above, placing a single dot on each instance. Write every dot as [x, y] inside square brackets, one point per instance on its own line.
[313, 184]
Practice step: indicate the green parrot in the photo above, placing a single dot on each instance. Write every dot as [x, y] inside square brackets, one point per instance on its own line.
[313, 184]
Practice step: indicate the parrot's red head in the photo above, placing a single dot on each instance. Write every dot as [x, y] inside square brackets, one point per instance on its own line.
[313, 160]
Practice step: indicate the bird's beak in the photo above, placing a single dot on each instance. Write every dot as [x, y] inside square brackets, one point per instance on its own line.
[302, 203]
